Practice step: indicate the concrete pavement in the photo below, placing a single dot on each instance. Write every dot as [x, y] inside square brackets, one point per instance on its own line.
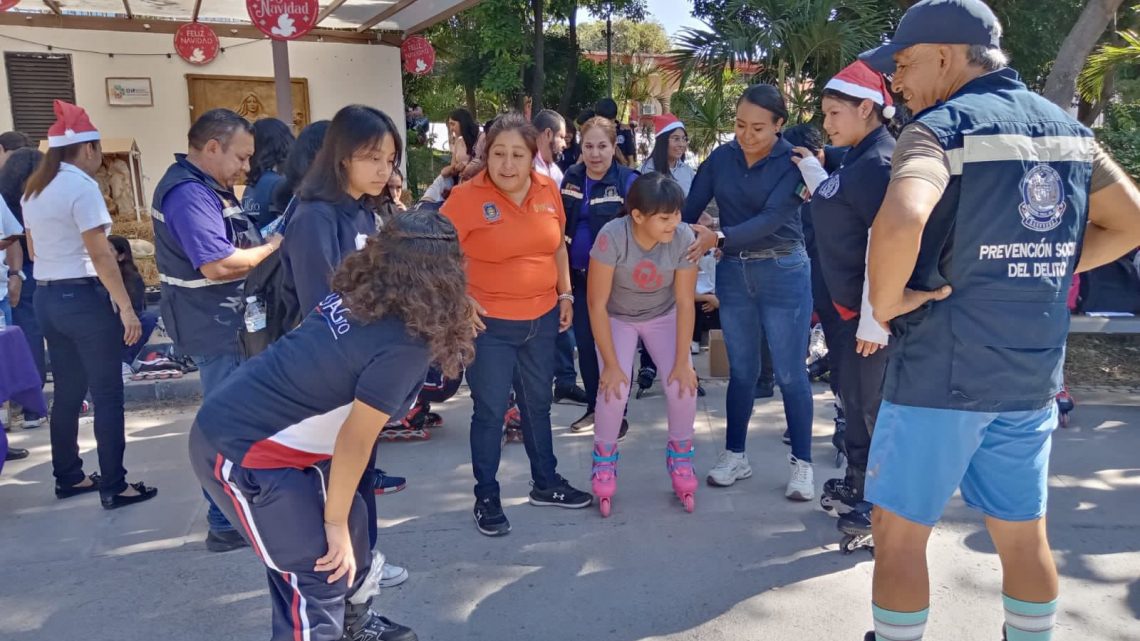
[746, 565]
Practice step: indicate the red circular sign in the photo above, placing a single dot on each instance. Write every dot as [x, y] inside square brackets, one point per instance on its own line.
[419, 55]
[196, 43]
[8, 4]
[283, 19]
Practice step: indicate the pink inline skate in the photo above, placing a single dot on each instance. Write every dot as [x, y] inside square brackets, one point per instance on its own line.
[679, 460]
[604, 476]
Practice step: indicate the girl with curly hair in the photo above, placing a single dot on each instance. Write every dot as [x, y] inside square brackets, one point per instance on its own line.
[281, 448]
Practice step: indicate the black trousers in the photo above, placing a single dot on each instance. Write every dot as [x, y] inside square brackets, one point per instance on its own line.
[85, 341]
[861, 385]
[588, 365]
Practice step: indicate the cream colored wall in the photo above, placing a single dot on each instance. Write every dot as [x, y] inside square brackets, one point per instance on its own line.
[338, 74]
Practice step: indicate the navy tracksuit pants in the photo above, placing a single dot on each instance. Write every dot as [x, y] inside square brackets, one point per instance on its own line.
[281, 513]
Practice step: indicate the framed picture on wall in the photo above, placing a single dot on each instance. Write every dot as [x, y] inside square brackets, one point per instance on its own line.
[129, 92]
[252, 97]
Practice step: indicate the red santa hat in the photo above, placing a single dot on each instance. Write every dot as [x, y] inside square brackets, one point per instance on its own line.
[859, 80]
[665, 123]
[71, 126]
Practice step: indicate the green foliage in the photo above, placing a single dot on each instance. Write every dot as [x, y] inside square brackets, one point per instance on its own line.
[1034, 32]
[629, 37]
[1120, 136]
[424, 164]
[707, 108]
[591, 80]
[1103, 63]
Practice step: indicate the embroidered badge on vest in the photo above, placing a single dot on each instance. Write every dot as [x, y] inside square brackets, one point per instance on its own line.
[829, 188]
[611, 192]
[1042, 199]
[491, 213]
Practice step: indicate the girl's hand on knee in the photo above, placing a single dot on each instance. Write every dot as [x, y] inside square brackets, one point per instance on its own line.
[612, 383]
[685, 376]
[339, 560]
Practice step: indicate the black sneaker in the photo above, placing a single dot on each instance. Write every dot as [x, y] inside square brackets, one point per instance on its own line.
[16, 453]
[379, 628]
[584, 423]
[765, 389]
[573, 394]
[225, 541]
[561, 495]
[623, 431]
[489, 517]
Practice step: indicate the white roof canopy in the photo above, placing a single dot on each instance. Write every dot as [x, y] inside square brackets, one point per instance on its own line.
[341, 20]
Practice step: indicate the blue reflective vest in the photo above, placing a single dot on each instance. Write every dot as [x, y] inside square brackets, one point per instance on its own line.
[1006, 236]
[201, 315]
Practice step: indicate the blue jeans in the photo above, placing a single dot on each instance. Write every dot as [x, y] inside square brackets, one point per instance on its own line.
[513, 353]
[85, 337]
[149, 321]
[24, 317]
[565, 374]
[214, 370]
[767, 299]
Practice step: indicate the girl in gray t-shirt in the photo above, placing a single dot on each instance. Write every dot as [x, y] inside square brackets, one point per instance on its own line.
[641, 286]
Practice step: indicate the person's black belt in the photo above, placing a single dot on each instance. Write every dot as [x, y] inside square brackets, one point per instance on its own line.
[762, 254]
[90, 280]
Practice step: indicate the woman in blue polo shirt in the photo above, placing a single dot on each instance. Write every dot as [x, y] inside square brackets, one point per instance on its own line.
[282, 446]
[763, 280]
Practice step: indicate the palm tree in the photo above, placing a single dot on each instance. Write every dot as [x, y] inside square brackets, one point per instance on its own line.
[798, 43]
[1103, 63]
[706, 108]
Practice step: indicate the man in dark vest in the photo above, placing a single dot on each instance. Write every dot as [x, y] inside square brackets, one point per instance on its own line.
[204, 246]
[996, 198]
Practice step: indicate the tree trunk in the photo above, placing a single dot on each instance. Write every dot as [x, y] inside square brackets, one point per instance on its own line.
[1089, 115]
[572, 74]
[471, 106]
[610, 51]
[1062, 82]
[539, 78]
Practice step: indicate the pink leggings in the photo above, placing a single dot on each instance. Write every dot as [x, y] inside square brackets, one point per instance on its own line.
[660, 337]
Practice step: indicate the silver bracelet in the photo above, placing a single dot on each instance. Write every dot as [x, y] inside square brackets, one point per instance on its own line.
[569, 297]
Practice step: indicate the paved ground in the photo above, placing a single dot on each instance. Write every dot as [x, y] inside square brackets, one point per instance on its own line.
[747, 565]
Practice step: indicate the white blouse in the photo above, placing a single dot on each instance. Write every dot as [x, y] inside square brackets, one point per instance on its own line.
[57, 217]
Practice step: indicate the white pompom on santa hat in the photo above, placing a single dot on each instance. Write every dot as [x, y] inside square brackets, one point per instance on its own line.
[71, 126]
[859, 80]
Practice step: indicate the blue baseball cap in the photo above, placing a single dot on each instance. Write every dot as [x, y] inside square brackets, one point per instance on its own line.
[944, 22]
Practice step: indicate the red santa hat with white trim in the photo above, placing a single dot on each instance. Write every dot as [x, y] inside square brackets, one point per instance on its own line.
[859, 80]
[665, 123]
[71, 126]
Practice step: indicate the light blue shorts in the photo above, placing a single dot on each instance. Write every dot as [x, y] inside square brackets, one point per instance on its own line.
[920, 455]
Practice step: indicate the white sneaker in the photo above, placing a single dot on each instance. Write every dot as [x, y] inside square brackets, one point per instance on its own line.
[730, 468]
[695, 348]
[392, 575]
[801, 484]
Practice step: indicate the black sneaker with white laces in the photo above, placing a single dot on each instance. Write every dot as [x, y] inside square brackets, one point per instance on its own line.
[489, 517]
[561, 495]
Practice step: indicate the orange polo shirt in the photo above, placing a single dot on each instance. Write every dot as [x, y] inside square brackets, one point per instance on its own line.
[509, 248]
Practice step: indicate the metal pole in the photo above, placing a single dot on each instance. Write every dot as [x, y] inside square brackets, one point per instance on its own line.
[282, 83]
[610, 49]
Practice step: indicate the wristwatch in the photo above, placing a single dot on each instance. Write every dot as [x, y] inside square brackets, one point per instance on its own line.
[720, 240]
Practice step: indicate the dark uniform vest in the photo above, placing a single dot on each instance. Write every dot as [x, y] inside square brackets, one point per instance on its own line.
[201, 315]
[607, 196]
[1005, 236]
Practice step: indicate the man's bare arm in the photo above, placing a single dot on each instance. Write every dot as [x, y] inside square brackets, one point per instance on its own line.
[1114, 225]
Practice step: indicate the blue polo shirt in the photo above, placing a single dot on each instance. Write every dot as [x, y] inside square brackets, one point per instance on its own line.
[759, 205]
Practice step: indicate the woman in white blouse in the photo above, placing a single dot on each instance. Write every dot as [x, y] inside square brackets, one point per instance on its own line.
[82, 306]
[669, 148]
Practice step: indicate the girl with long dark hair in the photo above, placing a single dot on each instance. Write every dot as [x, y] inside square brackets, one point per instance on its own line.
[282, 448]
[669, 148]
[297, 164]
[272, 141]
[85, 311]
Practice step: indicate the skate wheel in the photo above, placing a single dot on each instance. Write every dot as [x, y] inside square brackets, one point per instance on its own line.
[604, 506]
[689, 501]
[825, 503]
[846, 544]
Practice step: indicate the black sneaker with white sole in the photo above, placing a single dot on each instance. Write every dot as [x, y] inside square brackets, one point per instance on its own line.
[489, 517]
[561, 495]
[584, 423]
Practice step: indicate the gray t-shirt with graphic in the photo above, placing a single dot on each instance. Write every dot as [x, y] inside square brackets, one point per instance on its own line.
[643, 280]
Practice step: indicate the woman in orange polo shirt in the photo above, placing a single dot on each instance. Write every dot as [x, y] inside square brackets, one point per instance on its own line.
[510, 223]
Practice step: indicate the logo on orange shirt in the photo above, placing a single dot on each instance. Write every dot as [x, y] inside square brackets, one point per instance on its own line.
[544, 208]
[491, 213]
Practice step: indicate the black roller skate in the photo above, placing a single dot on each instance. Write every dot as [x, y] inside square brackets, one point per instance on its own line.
[839, 437]
[362, 624]
[645, 378]
[1065, 405]
[856, 529]
[413, 427]
[840, 496]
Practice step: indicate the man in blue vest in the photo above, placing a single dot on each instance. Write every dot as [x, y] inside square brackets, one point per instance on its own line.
[204, 247]
[996, 197]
